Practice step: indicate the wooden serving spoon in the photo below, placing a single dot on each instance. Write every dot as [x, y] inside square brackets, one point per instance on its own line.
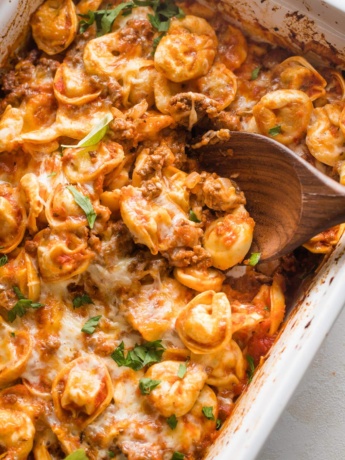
[289, 199]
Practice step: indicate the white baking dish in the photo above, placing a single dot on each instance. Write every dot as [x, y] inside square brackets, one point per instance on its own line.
[317, 28]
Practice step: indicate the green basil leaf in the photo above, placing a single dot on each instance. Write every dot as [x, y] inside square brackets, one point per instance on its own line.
[109, 17]
[95, 135]
[77, 455]
[140, 356]
[91, 324]
[250, 372]
[154, 20]
[193, 217]
[147, 385]
[255, 73]
[21, 306]
[18, 293]
[104, 19]
[275, 131]
[181, 14]
[172, 421]
[118, 355]
[3, 260]
[181, 370]
[85, 204]
[81, 300]
[177, 456]
[87, 21]
[254, 259]
[208, 412]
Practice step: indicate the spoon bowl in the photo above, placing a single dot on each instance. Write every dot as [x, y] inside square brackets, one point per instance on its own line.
[288, 198]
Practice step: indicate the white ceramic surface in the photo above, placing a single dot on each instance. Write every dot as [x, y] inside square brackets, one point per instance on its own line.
[273, 385]
[313, 424]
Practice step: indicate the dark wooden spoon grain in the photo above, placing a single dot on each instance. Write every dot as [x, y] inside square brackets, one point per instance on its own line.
[289, 199]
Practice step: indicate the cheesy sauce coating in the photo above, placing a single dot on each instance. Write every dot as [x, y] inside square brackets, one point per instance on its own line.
[132, 316]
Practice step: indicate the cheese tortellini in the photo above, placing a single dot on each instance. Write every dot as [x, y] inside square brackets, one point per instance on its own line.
[82, 391]
[228, 239]
[325, 138]
[54, 25]
[284, 113]
[13, 218]
[204, 325]
[175, 395]
[188, 50]
[16, 434]
[62, 255]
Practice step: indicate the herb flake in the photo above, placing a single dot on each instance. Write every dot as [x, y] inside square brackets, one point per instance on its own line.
[177, 456]
[81, 300]
[181, 370]
[254, 259]
[3, 260]
[193, 217]
[104, 19]
[91, 324]
[147, 385]
[208, 412]
[21, 306]
[275, 131]
[172, 421]
[255, 73]
[85, 204]
[141, 355]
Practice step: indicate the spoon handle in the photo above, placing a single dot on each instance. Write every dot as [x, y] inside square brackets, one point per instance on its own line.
[323, 203]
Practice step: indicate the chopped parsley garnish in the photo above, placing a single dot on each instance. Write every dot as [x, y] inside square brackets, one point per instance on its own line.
[251, 370]
[193, 217]
[111, 454]
[77, 455]
[104, 19]
[160, 20]
[91, 324]
[172, 421]
[147, 385]
[208, 412]
[177, 456]
[218, 424]
[254, 259]
[182, 370]
[140, 356]
[275, 131]
[3, 260]
[255, 73]
[81, 300]
[21, 306]
[85, 204]
[95, 135]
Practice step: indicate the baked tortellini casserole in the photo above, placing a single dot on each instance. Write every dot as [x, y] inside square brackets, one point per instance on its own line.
[133, 312]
